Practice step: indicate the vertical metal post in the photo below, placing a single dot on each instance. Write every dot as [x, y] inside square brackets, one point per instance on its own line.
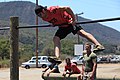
[14, 55]
[77, 20]
[78, 34]
[36, 37]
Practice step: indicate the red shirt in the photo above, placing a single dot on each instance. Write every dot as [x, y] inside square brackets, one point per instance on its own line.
[72, 67]
[56, 16]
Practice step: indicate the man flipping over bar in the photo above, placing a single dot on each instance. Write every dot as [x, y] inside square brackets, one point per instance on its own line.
[57, 15]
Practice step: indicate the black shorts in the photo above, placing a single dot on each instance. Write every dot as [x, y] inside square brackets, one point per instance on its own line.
[62, 32]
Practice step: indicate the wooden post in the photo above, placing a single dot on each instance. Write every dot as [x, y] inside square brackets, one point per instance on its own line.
[36, 38]
[14, 55]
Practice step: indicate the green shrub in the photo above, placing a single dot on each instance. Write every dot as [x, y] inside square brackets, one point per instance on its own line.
[5, 63]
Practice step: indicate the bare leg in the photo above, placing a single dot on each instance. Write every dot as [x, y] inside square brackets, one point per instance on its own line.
[57, 46]
[88, 36]
[91, 38]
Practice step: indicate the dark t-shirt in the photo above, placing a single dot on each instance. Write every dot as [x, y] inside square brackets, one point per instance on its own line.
[54, 66]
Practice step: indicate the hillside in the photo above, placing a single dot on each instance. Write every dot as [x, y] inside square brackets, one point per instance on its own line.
[25, 11]
[102, 32]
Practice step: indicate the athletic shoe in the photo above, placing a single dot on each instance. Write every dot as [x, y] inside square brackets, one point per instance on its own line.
[98, 48]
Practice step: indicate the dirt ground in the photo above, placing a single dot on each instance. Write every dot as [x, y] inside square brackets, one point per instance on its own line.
[103, 71]
[108, 71]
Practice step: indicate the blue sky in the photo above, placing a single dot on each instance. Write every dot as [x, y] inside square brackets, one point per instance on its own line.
[93, 9]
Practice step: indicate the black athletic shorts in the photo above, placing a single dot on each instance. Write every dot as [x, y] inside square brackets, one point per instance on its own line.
[62, 32]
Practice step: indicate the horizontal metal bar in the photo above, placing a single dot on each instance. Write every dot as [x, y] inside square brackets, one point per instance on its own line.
[101, 20]
[34, 26]
[48, 25]
[83, 22]
[4, 28]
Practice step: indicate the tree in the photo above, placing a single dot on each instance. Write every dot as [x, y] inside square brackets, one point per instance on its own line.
[67, 47]
[26, 51]
[4, 48]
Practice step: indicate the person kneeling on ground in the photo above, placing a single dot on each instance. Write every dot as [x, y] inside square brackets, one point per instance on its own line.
[53, 68]
[71, 68]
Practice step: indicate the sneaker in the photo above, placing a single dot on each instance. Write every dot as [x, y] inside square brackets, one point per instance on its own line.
[98, 48]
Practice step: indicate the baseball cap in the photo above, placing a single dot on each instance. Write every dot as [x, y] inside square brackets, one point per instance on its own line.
[39, 9]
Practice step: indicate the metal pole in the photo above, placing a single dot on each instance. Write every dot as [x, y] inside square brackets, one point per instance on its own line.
[14, 55]
[100, 20]
[82, 22]
[48, 25]
[77, 21]
[77, 34]
[4, 28]
[36, 37]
